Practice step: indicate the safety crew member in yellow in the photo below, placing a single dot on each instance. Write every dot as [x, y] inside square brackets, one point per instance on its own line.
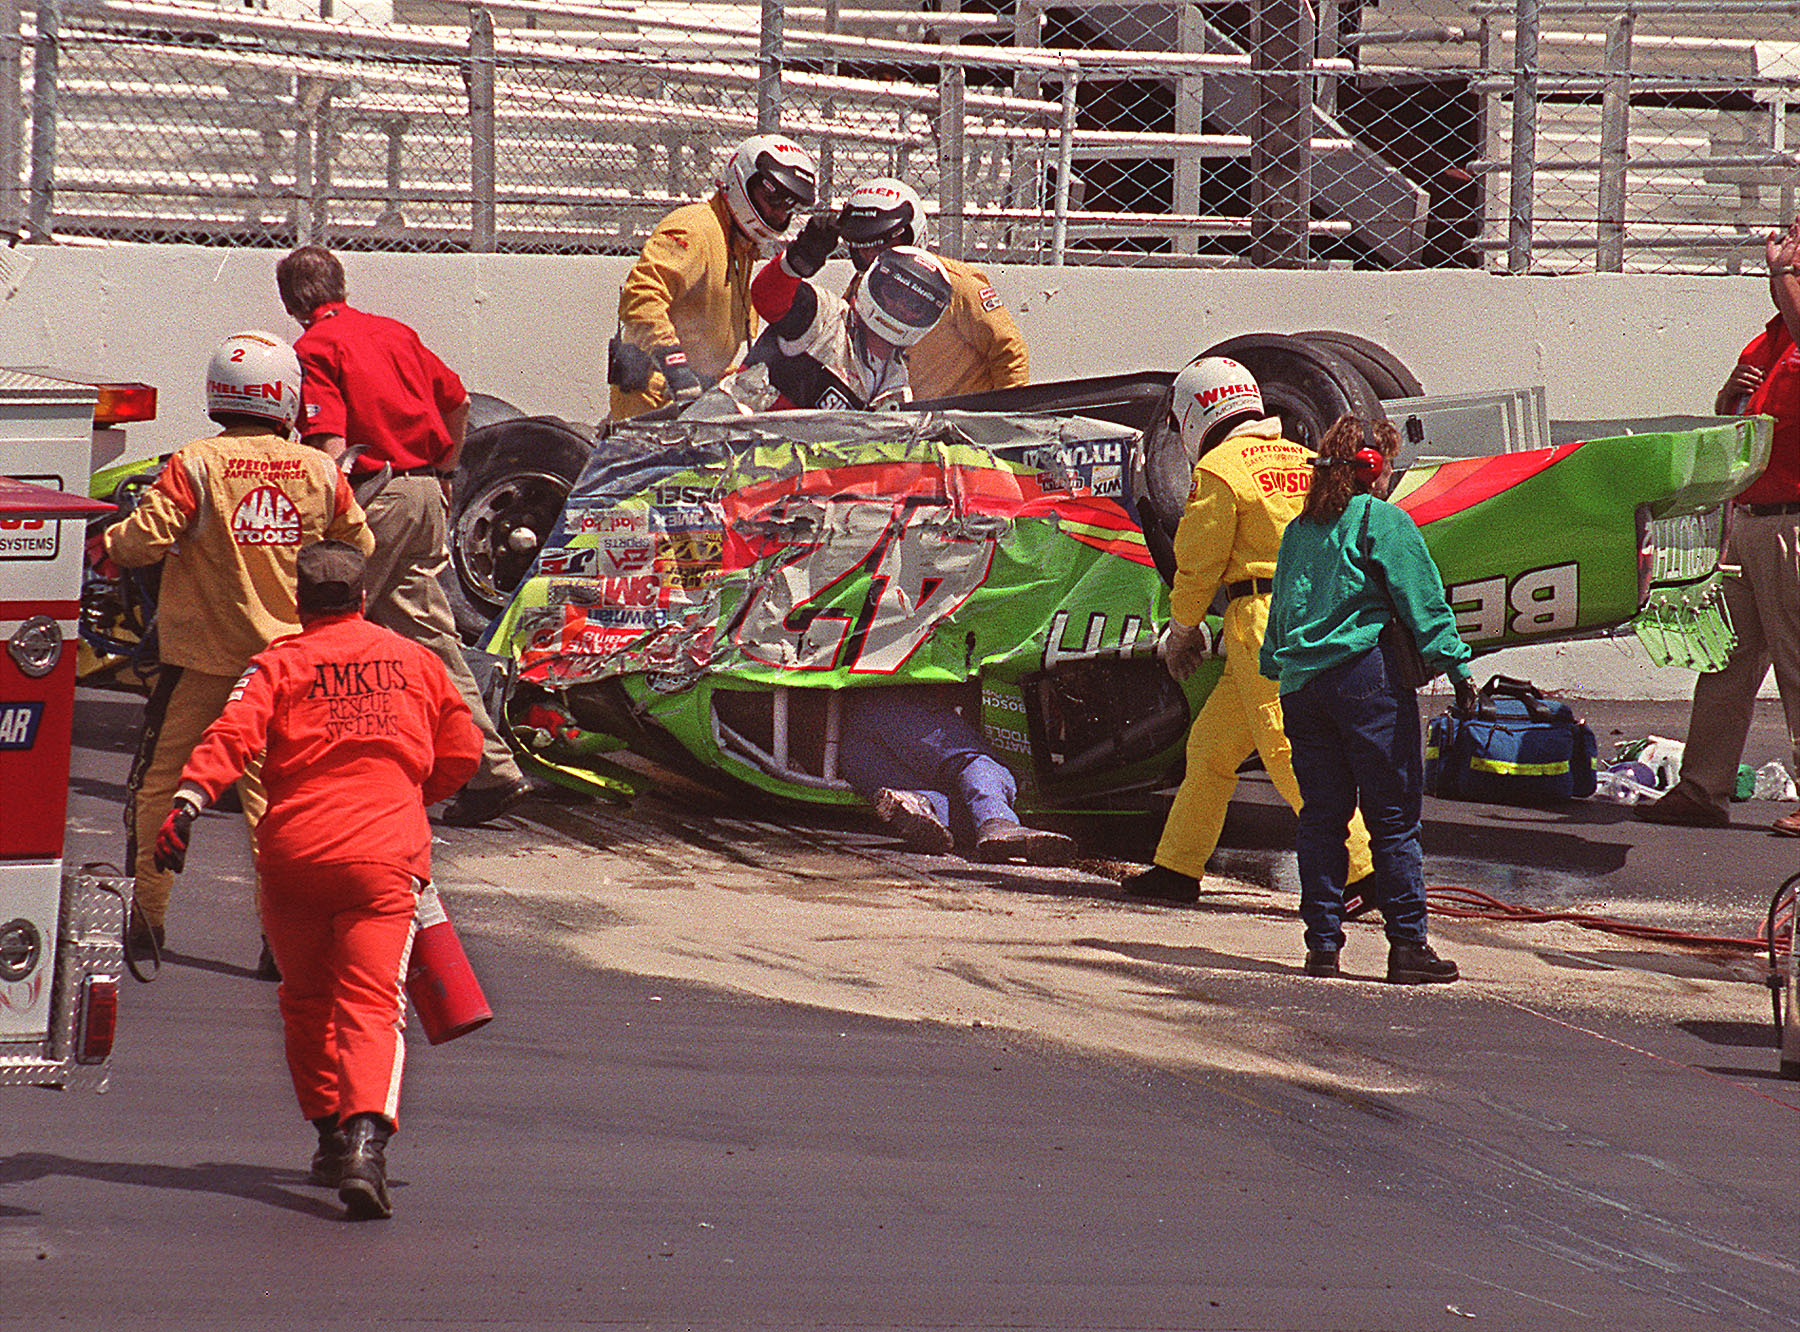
[975, 346]
[684, 311]
[226, 519]
[1249, 483]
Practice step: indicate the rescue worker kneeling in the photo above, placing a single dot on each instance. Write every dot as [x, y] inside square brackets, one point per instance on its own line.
[360, 729]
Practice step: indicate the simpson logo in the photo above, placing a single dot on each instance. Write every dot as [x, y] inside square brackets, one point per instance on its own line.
[630, 554]
[1285, 481]
[19, 724]
[266, 517]
[990, 299]
[833, 400]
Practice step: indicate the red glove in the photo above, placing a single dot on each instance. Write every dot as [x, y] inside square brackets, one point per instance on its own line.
[172, 837]
[98, 560]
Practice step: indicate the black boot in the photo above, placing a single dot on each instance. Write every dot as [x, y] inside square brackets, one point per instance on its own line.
[1419, 964]
[328, 1160]
[362, 1183]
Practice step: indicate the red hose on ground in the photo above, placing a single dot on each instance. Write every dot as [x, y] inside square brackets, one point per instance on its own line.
[1473, 904]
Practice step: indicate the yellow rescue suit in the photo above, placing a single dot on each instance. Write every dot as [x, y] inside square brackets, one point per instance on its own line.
[1246, 491]
[690, 288]
[975, 346]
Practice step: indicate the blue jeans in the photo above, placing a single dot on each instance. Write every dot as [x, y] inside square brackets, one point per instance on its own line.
[912, 738]
[1355, 737]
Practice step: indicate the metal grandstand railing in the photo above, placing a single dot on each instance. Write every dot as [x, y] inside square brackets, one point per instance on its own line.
[1541, 135]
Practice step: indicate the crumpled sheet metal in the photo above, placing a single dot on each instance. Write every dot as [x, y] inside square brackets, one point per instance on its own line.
[832, 544]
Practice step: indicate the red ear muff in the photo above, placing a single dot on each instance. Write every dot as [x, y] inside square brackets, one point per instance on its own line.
[1368, 463]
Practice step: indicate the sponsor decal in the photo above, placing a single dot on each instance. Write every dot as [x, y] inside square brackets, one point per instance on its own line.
[1284, 480]
[609, 522]
[1538, 601]
[19, 724]
[1011, 742]
[266, 517]
[1128, 642]
[990, 299]
[628, 554]
[834, 399]
[562, 563]
[31, 538]
[677, 496]
[266, 467]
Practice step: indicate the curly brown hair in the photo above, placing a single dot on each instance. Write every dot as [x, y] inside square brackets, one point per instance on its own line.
[1334, 479]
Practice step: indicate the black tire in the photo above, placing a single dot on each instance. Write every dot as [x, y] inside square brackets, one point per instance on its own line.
[515, 477]
[1307, 385]
[1387, 373]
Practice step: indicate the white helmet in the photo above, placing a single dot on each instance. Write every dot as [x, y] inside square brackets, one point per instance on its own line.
[902, 296]
[254, 374]
[882, 212]
[774, 165]
[1210, 393]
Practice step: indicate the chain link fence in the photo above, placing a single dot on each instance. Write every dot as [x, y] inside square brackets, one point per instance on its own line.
[1522, 135]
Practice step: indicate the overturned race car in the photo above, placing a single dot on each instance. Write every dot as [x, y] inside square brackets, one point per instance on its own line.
[715, 583]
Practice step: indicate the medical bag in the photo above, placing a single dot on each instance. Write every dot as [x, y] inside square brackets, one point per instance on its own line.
[1516, 748]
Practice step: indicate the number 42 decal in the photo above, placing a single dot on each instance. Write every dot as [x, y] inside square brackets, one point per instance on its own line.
[864, 595]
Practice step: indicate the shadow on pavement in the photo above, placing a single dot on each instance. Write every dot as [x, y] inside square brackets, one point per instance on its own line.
[252, 1183]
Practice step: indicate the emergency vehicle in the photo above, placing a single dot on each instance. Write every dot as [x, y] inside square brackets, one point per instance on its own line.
[61, 926]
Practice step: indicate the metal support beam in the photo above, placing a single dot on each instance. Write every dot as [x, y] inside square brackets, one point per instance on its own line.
[1524, 136]
[483, 223]
[45, 57]
[1615, 138]
[1281, 147]
[12, 121]
[768, 70]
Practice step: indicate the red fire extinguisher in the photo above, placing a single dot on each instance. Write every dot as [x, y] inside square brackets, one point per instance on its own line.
[439, 980]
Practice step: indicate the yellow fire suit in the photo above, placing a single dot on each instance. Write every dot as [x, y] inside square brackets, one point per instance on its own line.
[690, 288]
[1246, 490]
[975, 346]
[227, 517]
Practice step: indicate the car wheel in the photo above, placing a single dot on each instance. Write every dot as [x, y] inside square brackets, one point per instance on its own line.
[1304, 383]
[1387, 373]
[507, 498]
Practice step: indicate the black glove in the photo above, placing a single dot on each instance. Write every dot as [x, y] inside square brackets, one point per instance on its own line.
[808, 251]
[172, 837]
[1465, 697]
[684, 385]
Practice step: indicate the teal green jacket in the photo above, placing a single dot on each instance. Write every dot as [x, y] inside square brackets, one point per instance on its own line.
[1332, 594]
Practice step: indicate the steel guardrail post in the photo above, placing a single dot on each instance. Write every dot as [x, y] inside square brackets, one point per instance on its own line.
[481, 73]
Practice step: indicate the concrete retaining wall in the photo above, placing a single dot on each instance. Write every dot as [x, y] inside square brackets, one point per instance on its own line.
[533, 330]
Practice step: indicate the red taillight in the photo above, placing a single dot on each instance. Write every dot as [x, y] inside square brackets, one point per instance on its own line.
[119, 403]
[99, 1020]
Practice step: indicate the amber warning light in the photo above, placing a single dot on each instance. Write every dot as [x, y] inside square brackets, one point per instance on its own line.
[120, 403]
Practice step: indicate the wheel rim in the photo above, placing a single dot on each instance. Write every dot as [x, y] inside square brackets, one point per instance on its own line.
[500, 531]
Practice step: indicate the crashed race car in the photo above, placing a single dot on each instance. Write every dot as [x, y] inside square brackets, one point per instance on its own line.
[714, 583]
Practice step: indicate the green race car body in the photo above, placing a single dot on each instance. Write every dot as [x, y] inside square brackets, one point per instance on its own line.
[713, 587]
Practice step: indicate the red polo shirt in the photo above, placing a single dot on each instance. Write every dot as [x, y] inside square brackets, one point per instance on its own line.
[370, 380]
[1777, 396]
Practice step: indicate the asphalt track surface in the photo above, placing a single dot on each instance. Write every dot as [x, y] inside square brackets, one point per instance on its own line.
[619, 1150]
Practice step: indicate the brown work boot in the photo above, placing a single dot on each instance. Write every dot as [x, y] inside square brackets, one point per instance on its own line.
[911, 817]
[362, 1178]
[1686, 810]
[1788, 825]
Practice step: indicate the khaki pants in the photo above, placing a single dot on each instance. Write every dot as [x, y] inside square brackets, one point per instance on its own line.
[1764, 605]
[409, 519]
[193, 703]
[1241, 715]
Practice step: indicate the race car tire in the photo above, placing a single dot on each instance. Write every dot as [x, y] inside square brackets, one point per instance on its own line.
[1387, 373]
[517, 472]
[1307, 385]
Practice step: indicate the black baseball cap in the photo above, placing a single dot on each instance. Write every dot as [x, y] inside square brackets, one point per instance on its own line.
[331, 576]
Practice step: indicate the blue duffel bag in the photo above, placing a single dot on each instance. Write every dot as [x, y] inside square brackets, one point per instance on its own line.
[1517, 748]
